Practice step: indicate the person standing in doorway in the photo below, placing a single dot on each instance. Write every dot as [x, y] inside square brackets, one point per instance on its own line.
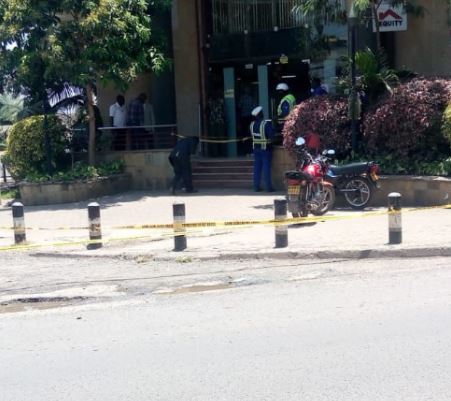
[118, 116]
[180, 159]
[286, 104]
[262, 132]
[318, 89]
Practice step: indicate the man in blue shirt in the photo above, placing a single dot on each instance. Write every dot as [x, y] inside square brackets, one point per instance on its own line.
[317, 88]
[262, 132]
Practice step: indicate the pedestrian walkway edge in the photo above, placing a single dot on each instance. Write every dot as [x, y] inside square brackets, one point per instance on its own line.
[351, 254]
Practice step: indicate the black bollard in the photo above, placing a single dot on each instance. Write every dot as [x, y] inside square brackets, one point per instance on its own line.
[394, 218]
[19, 223]
[95, 229]
[280, 213]
[178, 211]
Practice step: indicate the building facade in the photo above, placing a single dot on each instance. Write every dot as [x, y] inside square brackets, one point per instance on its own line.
[229, 55]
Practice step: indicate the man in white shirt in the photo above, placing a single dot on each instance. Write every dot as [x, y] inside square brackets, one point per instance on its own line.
[118, 115]
[118, 112]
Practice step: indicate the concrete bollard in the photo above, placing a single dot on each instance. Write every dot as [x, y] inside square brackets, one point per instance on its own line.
[280, 213]
[19, 223]
[394, 218]
[95, 229]
[178, 211]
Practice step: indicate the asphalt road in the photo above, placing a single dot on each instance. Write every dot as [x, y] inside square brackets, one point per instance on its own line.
[260, 330]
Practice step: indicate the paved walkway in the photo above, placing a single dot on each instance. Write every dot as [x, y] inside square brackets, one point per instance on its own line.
[342, 233]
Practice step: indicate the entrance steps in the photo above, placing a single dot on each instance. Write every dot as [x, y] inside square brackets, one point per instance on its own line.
[222, 173]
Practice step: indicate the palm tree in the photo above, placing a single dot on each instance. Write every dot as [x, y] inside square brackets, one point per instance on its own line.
[10, 107]
[375, 75]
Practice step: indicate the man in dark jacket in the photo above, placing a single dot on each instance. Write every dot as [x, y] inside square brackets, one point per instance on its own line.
[180, 159]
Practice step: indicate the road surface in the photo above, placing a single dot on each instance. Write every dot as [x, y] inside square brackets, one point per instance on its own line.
[253, 330]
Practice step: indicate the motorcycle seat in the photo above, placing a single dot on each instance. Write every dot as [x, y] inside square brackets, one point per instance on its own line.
[349, 169]
[297, 175]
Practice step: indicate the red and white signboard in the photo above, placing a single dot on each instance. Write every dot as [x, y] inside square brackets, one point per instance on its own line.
[391, 18]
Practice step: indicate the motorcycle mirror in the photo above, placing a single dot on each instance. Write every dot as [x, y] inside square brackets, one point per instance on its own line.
[300, 141]
[328, 152]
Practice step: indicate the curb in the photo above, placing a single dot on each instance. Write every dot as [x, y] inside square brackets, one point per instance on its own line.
[351, 254]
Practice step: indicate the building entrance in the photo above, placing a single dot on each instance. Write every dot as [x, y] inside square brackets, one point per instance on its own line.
[236, 89]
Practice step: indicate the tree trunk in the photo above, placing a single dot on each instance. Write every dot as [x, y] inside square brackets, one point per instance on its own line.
[92, 126]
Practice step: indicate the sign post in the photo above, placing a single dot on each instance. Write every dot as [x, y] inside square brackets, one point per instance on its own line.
[391, 18]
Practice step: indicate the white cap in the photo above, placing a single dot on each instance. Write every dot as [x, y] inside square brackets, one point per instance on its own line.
[256, 111]
[282, 87]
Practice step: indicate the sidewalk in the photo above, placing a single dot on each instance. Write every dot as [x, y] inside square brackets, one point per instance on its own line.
[426, 232]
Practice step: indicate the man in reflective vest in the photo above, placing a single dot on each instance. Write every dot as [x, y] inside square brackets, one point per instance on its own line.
[287, 103]
[262, 132]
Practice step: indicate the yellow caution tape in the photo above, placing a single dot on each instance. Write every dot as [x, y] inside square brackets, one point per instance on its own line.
[28, 246]
[238, 223]
[219, 139]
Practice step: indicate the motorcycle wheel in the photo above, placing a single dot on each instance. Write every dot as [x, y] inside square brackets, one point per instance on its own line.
[361, 196]
[328, 202]
[303, 212]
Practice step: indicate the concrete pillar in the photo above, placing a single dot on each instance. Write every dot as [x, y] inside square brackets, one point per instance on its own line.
[186, 66]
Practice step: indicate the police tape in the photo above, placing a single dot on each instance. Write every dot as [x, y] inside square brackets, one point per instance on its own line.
[236, 223]
[218, 139]
[104, 240]
[198, 225]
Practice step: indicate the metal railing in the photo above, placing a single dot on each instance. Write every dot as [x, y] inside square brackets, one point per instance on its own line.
[233, 16]
[141, 137]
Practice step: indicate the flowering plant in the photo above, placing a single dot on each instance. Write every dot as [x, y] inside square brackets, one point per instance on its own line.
[408, 123]
[325, 116]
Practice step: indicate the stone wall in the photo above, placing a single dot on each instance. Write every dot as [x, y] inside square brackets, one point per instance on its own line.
[282, 161]
[148, 169]
[47, 193]
[415, 191]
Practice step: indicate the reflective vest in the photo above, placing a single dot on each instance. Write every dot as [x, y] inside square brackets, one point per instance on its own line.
[291, 101]
[259, 138]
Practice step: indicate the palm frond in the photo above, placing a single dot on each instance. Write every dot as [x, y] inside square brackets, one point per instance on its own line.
[66, 95]
[10, 107]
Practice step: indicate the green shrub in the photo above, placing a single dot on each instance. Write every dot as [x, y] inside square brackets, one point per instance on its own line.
[25, 151]
[392, 165]
[446, 127]
[80, 171]
[407, 125]
[10, 194]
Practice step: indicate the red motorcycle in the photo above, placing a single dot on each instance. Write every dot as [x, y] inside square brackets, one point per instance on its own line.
[307, 191]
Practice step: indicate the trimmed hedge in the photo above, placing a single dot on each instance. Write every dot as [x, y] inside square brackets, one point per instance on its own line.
[25, 150]
[408, 124]
[411, 126]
